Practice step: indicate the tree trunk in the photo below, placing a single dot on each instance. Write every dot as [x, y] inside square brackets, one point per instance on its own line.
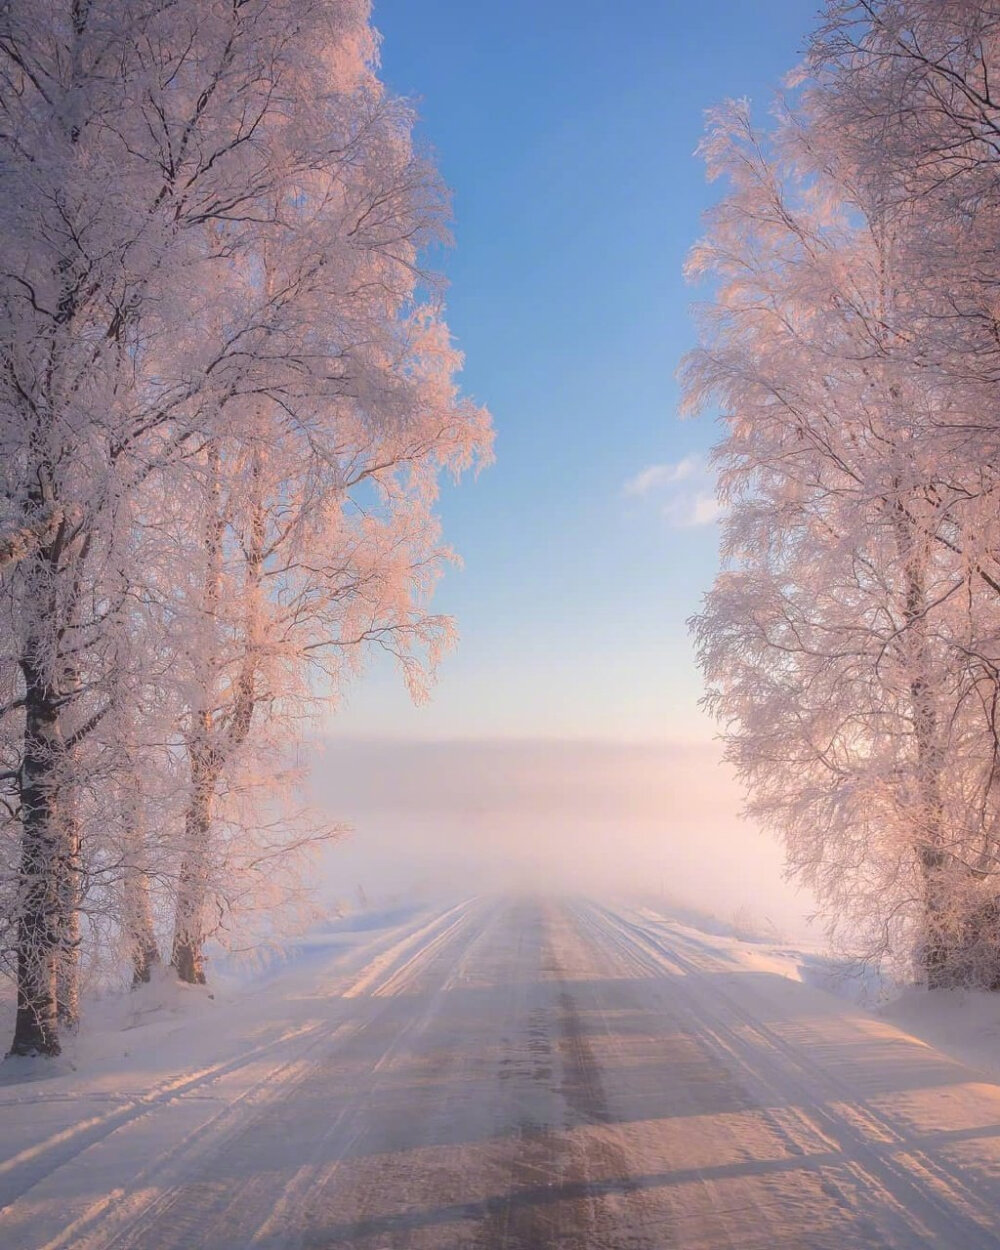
[211, 743]
[938, 938]
[38, 936]
[937, 948]
[136, 904]
[187, 958]
[68, 952]
[138, 913]
[48, 925]
[145, 957]
[68, 972]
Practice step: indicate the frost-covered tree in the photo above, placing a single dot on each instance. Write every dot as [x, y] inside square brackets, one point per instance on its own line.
[316, 549]
[212, 216]
[844, 640]
[906, 91]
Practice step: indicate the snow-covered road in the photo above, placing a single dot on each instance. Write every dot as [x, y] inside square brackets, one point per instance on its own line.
[519, 1073]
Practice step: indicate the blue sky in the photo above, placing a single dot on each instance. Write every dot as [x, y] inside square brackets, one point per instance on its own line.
[566, 130]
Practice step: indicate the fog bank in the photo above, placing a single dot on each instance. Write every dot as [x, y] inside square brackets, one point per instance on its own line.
[621, 818]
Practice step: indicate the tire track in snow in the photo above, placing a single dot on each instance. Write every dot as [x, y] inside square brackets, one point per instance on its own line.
[124, 1218]
[33, 1166]
[927, 1199]
[569, 1177]
[392, 971]
[20, 1171]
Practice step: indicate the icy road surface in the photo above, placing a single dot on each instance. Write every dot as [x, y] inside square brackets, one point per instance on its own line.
[522, 1074]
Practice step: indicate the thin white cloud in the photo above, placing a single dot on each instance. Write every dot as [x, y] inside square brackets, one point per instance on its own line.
[688, 510]
[655, 476]
[685, 490]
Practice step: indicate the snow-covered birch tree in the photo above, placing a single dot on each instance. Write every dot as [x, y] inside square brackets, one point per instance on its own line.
[841, 641]
[211, 211]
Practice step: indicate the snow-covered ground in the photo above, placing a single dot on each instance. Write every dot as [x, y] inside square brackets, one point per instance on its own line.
[963, 1023]
[518, 1073]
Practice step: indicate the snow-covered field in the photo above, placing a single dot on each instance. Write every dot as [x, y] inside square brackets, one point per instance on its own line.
[512, 1072]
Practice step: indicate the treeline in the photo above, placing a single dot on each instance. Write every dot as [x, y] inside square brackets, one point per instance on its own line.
[226, 399]
[852, 641]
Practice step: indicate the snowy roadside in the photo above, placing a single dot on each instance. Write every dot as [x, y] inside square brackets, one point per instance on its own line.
[964, 1024]
[134, 1041]
[161, 1078]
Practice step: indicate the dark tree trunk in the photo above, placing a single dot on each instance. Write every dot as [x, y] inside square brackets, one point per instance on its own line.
[48, 924]
[38, 936]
